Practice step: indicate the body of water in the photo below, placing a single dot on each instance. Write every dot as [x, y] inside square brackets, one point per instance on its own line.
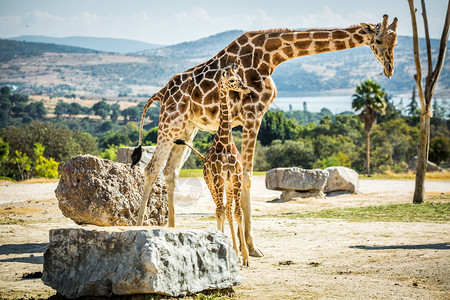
[339, 104]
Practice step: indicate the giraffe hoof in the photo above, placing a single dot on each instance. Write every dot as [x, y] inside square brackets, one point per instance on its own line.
[256, 253]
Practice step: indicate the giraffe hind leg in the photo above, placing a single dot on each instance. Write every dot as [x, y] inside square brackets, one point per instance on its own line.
[151, 173]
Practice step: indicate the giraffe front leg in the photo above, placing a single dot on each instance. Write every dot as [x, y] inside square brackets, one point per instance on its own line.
[229, 213]
[238, 214]
[249, 134]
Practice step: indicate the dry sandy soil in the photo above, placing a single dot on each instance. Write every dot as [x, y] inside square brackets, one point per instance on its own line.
[303, 259]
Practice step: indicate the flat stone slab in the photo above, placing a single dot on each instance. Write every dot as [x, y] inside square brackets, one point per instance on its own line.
[105, 261]
[296, 179]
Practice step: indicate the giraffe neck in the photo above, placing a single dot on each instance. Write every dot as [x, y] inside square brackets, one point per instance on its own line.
[266, 50]
[224, 133]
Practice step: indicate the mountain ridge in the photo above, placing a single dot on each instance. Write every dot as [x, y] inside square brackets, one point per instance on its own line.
[116, 45]
[144, 72]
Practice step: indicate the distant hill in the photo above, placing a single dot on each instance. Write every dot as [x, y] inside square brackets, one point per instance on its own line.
[94, 43]
[11, 49]
[88, 72]
[202, 48]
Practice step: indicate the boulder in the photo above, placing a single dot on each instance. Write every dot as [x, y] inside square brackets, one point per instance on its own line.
[105, 193]
[106, 261]
[341, 179]
[296, 182]
[431, 167]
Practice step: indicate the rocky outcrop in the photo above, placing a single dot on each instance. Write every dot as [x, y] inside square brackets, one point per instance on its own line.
[341, 179]
[93, 261]
[105, 193]
[296, 182]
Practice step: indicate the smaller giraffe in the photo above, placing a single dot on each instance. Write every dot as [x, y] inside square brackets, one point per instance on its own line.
[222, 168]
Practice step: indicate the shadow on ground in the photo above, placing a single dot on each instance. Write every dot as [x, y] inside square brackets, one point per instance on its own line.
[439, 246]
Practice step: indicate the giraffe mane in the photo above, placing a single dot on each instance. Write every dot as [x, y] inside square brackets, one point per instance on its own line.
[332, 29]
[276, 30]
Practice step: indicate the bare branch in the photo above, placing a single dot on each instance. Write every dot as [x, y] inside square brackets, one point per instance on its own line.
[418, 76]
[427, 39]
[440, 61]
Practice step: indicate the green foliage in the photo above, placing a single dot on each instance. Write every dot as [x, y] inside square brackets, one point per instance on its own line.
[290, 154]
[440, 150]
[275, 126]
[110, 153]
[101, 109]
[338, 159]
[43, 167]
[370, 99]
[23, 164]
[60, 143]
[394, 142]
[151, 137]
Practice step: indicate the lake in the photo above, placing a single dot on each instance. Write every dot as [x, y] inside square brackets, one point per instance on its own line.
[338, 104]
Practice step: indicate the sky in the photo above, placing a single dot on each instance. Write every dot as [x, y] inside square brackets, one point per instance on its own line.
[175, 21]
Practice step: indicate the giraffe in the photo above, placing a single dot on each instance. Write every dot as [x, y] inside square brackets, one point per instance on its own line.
[222, 169]
[190, 101]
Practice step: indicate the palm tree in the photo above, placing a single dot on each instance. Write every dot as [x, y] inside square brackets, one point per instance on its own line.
[370, 99]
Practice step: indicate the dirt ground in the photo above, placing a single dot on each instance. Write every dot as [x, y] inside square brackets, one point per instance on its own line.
[303, 259]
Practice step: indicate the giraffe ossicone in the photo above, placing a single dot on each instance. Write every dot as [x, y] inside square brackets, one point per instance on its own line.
[190, 100]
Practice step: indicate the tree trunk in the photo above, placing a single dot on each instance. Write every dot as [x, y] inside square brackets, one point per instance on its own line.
[367, 153]
[422, 158]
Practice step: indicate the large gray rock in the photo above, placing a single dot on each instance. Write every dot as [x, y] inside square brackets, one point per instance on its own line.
[296, 182]
[341, 179]
[93, 261]
[431, 167]
[105, 193]
[296, 179]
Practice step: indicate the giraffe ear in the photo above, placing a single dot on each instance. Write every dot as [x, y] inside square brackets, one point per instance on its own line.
[369, 29]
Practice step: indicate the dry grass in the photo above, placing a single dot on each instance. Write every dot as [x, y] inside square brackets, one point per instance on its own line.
[408, 175]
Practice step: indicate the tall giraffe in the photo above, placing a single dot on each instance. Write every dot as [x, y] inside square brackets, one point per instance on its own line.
[222, 169]
[190, 99]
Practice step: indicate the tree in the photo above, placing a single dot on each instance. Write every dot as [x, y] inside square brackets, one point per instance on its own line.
[101, 109]
[36, 110]
[61, 108]
[74, 109]
[413, 107]
[426, 96]
[370, 99]
[115, 112]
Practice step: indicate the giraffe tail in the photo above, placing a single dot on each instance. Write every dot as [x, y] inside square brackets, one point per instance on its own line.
[137, 152]
[136, 155]
[183, 142]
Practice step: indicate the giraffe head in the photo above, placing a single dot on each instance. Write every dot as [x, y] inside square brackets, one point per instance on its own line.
[383, 39]
[231, 81]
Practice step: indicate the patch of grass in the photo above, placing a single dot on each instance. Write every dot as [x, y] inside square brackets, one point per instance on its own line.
[4, 178]
[191, 173]
[405, 212]
[407, 176]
